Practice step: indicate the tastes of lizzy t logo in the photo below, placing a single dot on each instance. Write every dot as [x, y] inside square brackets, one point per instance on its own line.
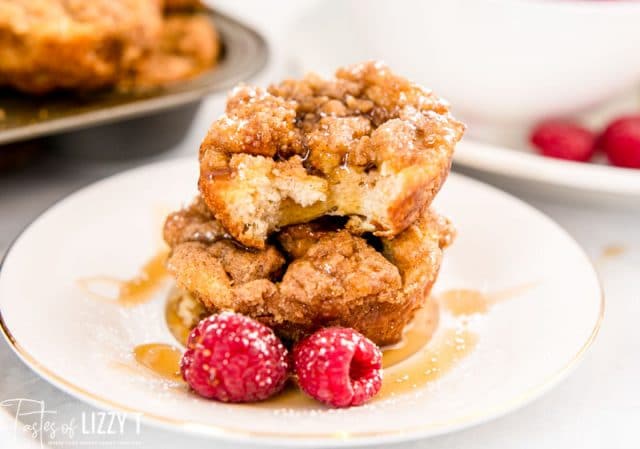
[35, 421]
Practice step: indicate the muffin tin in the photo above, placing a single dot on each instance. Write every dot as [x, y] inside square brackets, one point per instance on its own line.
[244, 53]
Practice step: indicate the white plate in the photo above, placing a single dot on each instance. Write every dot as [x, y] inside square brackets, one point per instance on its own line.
[522, 170]
[524, 345]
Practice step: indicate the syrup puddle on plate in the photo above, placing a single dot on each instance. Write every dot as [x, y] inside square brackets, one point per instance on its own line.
[461, 302]
[409, 365]
[436, 359]
[416, 335]
[612, 251]
[160, 358]
[133, 291]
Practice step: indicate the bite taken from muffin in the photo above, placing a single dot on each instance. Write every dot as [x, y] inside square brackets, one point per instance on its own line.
[314, 213]
[367, 144]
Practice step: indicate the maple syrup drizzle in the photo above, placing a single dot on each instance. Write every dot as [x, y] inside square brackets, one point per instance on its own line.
[465, 302]
[138, 289]
[432, 362]
[435, 360]
[133, 291]
[423, 360]
[218, 174]
[290, 398]
[416, 335]
[160, 358]
[468, 302]
[612, 251]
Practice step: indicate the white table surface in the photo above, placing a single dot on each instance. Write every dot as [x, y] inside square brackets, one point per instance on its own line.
[597, 406]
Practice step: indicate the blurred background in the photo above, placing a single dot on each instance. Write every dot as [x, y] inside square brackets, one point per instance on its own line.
[550, 91]
[505, 65]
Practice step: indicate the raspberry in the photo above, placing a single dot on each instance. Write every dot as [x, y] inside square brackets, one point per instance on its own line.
[564, 140]
[232, 358]
[621, 141]
[339, 367]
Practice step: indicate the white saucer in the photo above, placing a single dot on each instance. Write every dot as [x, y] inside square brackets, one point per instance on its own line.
[506, 159]
[519, 169]
[525, 345]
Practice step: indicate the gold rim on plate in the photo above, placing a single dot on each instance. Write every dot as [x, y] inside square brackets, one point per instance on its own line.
[205, 428]
[201, 428]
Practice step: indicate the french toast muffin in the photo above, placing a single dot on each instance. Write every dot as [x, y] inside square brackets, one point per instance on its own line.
[368, 145]
[310, 276]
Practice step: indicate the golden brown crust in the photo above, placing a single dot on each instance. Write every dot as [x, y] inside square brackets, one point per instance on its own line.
[417, 252]
[86, 45]
[194, 223]
[188, 45]
[296, 240]
[255, 122]
[70, 44]
[368, 144]
[243, 265]
[332, 277]
[342, 281]
[182, 5]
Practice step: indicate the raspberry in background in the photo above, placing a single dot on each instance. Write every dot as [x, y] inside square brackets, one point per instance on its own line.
[621, 141]
[338, 366]
[232, 358]
[564, 140]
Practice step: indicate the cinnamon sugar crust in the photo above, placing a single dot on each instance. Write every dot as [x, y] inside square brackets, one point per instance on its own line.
[311, 275]
[367, 144]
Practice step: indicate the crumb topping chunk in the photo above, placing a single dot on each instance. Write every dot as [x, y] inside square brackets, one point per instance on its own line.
[367, 144]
